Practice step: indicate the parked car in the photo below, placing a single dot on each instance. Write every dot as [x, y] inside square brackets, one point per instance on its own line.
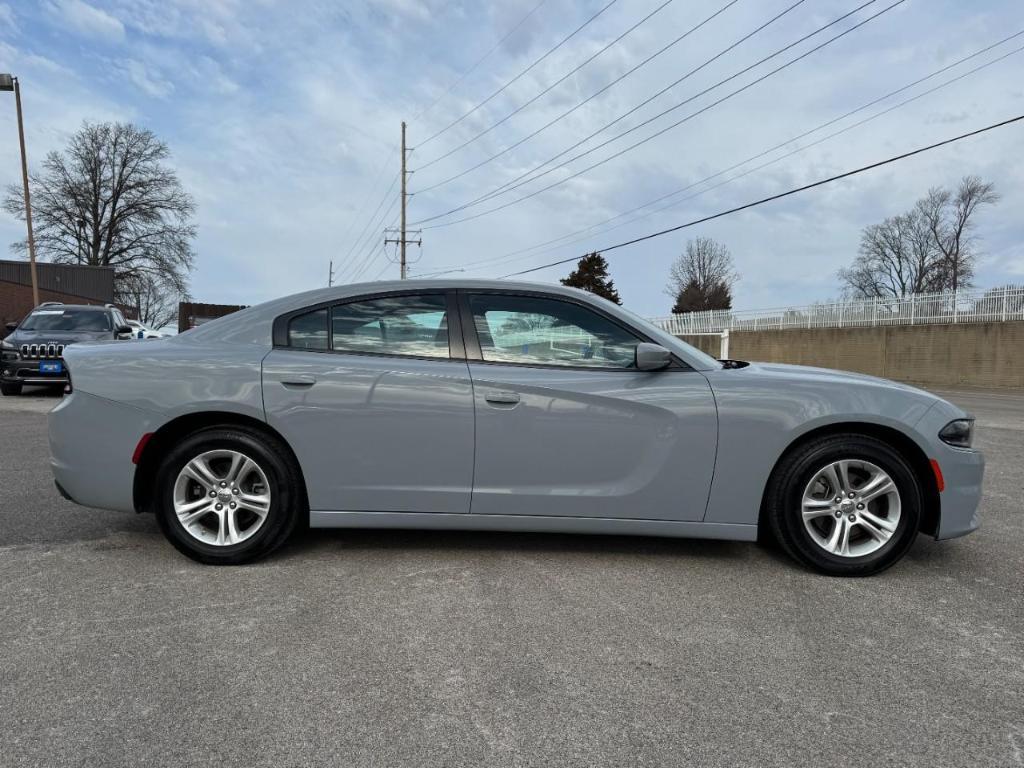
[142, 331]
[501, 406]
[34, 351]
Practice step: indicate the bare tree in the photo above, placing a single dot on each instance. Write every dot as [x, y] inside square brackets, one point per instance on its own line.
[896, 258]
[931, 247]
[702, 277]
[109, 199]
[156, 303]
[949, 217]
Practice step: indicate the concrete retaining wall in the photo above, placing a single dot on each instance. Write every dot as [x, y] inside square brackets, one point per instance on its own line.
[976, 354]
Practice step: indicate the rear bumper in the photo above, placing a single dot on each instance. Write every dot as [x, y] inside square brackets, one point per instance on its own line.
[92, 440]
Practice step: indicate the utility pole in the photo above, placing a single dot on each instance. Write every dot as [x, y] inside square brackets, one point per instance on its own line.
[402, 239]
[10, 83]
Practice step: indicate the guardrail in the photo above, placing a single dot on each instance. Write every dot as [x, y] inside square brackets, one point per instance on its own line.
[967, 306]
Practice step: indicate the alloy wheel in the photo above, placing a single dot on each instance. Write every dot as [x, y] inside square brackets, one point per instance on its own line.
[221, 497]
[851, 508]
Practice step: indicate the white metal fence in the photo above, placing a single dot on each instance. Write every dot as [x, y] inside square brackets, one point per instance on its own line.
[968, 306]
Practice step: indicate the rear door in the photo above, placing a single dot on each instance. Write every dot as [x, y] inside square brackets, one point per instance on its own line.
[375, 398]
[566, 425]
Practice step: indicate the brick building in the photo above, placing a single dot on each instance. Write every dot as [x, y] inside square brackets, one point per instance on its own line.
[69, 283]
[192, 314]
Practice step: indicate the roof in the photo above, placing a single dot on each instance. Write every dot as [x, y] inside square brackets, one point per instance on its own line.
[65, 305]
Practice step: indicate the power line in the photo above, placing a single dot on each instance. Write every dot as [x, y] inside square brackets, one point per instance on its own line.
[358, 244]
[562, 42]
[585, 101]
[528, 176]
[778, 196]
[366, 200]
[532, 175]
[780, 145]
[370, 246]
[546, 90]
[479, 61]
[666, 128]
[422, 112]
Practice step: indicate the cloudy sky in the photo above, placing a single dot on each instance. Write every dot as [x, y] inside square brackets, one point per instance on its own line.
[283, 120]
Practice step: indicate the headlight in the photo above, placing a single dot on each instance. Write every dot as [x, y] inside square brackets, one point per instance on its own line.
[958, 433]
[7, 350]
[6, 345]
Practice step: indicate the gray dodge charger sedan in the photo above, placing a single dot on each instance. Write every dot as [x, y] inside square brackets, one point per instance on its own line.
[500, 406]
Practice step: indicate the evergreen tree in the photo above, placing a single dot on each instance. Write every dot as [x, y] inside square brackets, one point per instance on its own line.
[591, 274]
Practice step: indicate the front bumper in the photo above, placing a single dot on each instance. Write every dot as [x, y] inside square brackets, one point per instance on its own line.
[963, 472]
[22, 371]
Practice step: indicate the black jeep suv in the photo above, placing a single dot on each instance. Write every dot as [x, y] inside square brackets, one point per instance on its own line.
[33, 352]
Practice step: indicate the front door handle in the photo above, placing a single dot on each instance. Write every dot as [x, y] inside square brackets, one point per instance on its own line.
[502, 398]
[298, 380]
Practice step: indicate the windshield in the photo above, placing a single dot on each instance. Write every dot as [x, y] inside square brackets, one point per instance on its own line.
[66, 320]
[703, 357]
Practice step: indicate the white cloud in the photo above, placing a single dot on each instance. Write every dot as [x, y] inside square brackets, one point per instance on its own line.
[146, 78]
[6, 16]
[87, 20]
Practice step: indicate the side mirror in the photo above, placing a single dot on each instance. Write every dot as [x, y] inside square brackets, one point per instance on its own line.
[652, 357]
[11, 327]
[124, 332]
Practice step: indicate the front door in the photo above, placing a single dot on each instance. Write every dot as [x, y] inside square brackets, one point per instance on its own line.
[378, 411]
[566, 425]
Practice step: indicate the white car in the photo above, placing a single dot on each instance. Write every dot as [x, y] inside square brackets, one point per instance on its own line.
[143, 331]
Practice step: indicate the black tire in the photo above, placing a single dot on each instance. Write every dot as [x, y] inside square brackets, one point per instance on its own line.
[783, 502]
[10, 389]
[285, 486]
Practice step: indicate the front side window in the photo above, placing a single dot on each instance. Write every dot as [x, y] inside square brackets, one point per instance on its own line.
[539, 331]
[415, 326]
[308, 331]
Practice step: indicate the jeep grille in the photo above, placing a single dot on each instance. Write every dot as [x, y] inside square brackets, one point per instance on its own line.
[37, 351]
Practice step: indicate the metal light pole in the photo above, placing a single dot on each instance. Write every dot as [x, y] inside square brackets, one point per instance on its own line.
[10, 83]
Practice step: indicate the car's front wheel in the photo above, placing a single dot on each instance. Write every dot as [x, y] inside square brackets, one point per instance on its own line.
[846, 505]
[227, 495]
[10, 389]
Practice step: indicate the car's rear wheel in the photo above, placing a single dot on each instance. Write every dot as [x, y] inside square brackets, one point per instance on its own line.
[10, 389]
[228, 495]
[845, 505]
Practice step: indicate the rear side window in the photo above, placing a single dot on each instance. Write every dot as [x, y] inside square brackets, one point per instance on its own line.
[308, 331]
[410, 326]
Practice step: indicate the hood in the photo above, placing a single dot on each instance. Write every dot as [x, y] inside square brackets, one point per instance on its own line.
[19, 337]
[826, 375]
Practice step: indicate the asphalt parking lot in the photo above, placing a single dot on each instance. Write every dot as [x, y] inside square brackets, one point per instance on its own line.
[424, 649]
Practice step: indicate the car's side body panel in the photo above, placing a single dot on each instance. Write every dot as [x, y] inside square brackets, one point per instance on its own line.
[375, 433]
[593, 443]
[172, 377]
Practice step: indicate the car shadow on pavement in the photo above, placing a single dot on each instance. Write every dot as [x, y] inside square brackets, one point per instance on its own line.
[364, 540]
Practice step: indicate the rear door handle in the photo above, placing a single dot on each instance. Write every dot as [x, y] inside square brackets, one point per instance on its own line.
[298, 380]
[502, 398]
